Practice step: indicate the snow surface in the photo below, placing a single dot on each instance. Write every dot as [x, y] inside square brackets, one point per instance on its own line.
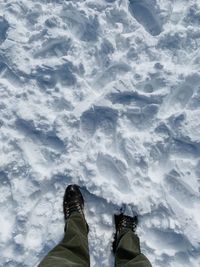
[105, 94]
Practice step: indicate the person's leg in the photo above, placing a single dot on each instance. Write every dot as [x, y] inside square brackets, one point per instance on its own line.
[126, 245]
[73, 250]
[128, 252]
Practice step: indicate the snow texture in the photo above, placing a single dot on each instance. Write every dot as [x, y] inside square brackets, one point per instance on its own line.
[105, 94]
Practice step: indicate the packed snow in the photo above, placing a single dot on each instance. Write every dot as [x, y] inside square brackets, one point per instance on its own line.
[104, 94]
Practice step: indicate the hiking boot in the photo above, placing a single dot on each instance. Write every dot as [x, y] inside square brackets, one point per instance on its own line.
[123, 222]
[73, 201]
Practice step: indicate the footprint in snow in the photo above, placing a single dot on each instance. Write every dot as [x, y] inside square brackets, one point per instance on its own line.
[145, 13]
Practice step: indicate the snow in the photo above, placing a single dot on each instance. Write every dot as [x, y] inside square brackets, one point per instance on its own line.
[104, 94]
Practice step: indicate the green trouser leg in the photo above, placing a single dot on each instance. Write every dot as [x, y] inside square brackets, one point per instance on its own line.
[73, 250]
[128, 252]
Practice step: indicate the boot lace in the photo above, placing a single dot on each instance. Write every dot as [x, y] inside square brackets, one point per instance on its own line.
[72, 206]
[127, 223]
